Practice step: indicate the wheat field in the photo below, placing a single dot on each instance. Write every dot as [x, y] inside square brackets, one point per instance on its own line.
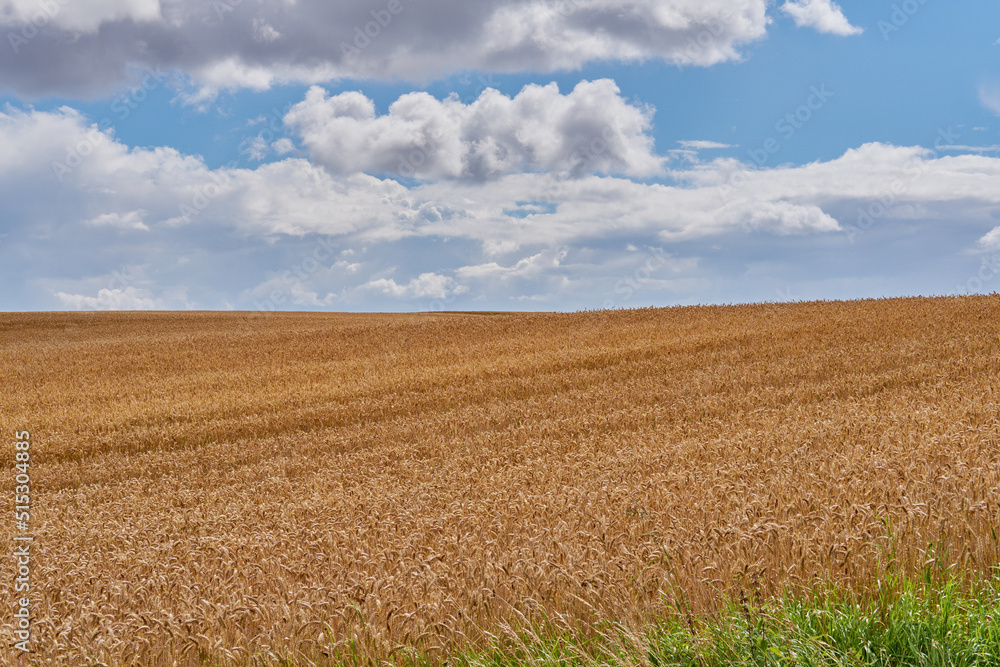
[222, 488]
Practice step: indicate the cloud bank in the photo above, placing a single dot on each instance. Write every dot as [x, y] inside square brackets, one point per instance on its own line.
[86, 47]
[527, 231]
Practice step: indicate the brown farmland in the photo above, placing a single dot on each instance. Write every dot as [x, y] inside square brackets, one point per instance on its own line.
[224, 485]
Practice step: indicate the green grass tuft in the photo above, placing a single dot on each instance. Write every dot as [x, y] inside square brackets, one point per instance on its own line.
[920, 625]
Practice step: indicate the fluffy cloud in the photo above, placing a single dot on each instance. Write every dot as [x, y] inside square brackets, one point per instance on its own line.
[528, 267]
[991, 240]
[424, 286]
[591, 129]
[88, 46]
[129, 298]
[130, 220]
[823, 15]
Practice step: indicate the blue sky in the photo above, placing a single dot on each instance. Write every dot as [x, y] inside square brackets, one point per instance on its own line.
[688, 152]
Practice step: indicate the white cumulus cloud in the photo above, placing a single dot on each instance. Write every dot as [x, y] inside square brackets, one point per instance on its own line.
[823, 15]
[590, 129]
[425, 286]
[991, 240]
[130, 298]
